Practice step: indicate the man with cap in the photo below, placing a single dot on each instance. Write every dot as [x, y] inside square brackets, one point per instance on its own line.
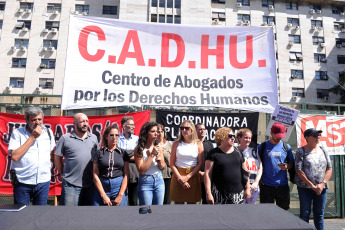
[276, 158]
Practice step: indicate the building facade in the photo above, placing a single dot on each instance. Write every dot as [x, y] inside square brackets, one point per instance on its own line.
[309, 35]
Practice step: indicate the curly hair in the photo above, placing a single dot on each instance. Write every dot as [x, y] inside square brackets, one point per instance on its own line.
[104, 141]
[221, 134]
[242, 132]
[194, 136]
[143, 136]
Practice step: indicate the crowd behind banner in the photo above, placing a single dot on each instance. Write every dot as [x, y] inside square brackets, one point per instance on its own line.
[118, 167]
[60, 125]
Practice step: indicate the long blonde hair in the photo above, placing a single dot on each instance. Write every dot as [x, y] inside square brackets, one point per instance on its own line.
[194, 136]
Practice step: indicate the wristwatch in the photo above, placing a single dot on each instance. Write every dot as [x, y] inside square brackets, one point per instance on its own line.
[324, 182]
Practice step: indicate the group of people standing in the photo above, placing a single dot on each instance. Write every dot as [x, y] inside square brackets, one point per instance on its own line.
[126, 168]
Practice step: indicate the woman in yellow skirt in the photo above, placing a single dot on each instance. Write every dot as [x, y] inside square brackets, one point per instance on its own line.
[185, 161]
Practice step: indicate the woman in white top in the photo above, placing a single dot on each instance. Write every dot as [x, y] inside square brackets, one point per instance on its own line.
[149, 160]
[185, 162]
[252, 161]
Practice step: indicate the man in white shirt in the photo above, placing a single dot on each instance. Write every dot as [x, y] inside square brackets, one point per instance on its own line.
[31, 148]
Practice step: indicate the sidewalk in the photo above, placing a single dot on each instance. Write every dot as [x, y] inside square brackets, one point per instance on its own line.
[333, 224]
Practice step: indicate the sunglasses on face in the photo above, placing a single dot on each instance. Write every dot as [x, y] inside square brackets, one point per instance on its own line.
[231, 135]
[316, 134]
[114, 135]
[184, 128]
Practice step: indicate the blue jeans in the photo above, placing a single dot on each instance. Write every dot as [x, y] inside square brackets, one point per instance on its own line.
[23, 193]
[76, 196]
[151, 189]
[111, 187]
[307, 196]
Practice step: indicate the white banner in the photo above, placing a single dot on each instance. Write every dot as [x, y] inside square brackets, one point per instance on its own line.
[116, 63]
[333, 131]
[285, 116]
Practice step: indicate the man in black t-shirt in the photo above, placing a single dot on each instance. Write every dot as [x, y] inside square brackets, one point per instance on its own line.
[201, 131]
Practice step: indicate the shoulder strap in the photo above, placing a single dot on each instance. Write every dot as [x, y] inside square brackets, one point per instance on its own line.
[287, 152]
[262, 151]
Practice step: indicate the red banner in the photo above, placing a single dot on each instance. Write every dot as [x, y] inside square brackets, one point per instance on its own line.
[59, 126]
[333, 131]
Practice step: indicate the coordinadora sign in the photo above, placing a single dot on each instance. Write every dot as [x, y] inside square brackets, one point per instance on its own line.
[114, 63]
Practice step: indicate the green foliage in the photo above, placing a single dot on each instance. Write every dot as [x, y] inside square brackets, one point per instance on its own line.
[339, 88]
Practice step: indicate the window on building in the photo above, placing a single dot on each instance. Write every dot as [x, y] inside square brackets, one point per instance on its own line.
[268, 19]
[111, 10]
[244, 2]
[177, 6]
[319, 57]
[0, 24]
[82, 8]
[17, 82]
[296, 56]
[46, 83]
[18, 62]
[266, 3]
[339, 26]
[341, 59]
[298, 74]
[52, 7]
[315, 7]
[23, 24]
[295, 38]
[321, 75]
[50, 43]
[218, 15]
[299, 92]
[293, 21]
[49, 63]
[291, 6]
[21, 43]
[52, 24]
[317, 40]
[322, 93]
[177, 19]
[162, 18]
[337, 9]
[161, 3]
[316, 23]
[154, 3]
[242, 17]
[340, 41]
[26, 6]
[2, 6]
[170, 3]
[218, 1]
[153, 17]
[170, 19]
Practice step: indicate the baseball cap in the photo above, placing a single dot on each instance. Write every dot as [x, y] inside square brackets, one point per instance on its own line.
[278, 129]
[311, 131]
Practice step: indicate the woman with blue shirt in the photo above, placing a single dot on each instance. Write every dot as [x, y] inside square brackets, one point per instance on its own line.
[149, 160]
[110, 170]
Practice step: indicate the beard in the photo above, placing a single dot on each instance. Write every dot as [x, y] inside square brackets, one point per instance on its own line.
[81, 129]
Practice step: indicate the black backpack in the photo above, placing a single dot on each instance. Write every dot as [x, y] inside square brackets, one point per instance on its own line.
[292, 171]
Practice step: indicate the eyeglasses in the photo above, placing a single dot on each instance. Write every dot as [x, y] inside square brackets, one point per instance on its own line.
[132, 125]
[114, 135]
[231, 135]
[184, 128]
[316, 134]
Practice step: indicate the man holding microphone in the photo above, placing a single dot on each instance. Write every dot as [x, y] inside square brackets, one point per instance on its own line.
[31, 148]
